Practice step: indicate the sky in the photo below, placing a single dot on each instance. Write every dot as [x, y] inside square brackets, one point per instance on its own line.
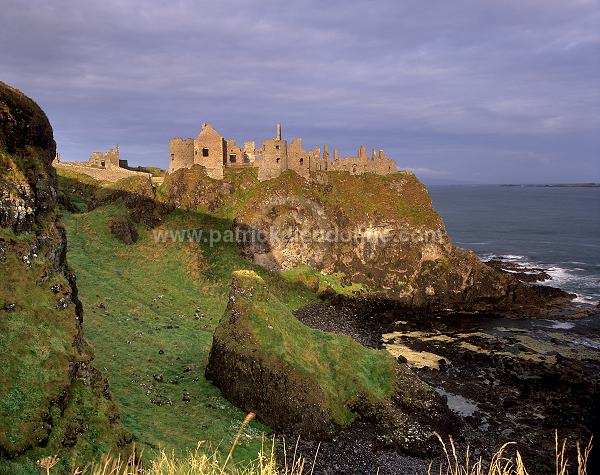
[461, 91]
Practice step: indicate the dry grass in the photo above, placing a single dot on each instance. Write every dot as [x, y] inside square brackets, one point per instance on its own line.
[457, 464]
[206, 462]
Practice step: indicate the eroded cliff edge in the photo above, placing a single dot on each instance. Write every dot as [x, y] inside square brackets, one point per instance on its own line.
[304, 381]
[52, 399]
[379, 231]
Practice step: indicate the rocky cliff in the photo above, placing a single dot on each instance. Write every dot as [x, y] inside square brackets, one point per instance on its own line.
[311, 383]
[380, 231]
[51, 397]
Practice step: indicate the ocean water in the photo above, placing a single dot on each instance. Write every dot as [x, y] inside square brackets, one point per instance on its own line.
[557, 229]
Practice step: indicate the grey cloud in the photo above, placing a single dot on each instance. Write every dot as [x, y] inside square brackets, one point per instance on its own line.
[471, 90]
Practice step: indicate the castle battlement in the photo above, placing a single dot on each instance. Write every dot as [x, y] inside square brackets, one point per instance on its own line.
[275, 156]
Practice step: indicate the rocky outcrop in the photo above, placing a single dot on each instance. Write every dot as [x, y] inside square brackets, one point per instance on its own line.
[313, 383]
[49, 389]
[384, 233]
[379, 231]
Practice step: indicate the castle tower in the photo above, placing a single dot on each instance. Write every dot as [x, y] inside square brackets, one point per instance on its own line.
[362, 153]
[326, 155]
[210, 151]
[274, 159]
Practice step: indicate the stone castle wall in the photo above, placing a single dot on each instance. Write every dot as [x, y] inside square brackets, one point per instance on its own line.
[104, 174]
[275, 156]
[181, 153]
[104, 166]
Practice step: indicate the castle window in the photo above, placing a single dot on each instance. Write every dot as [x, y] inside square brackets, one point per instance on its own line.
[103, 164]
[277, 160]
[301, 161]
[172, 156]
[205, 152]
[232, 158]
[277, 147]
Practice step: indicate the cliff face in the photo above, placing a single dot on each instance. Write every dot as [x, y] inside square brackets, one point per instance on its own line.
[50, 394]
[312, 383]
[380, 231]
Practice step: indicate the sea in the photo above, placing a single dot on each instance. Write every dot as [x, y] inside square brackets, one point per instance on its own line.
[553, 228]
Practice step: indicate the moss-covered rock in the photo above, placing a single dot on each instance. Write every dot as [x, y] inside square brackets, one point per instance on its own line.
[313, 383]
[52, 399]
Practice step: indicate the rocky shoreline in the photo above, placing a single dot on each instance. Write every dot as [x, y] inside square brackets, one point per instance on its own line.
[508, 380]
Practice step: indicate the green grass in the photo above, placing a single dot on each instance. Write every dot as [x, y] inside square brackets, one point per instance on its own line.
[141, 299]
[341, 367]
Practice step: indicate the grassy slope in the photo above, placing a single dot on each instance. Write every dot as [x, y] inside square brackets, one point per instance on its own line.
[341, 367]
[150, 292]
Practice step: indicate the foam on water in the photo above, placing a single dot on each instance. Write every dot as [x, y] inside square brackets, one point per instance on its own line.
[560, 325]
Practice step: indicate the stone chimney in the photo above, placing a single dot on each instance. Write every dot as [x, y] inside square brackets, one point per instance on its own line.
[326, 155]
[373, 153]
[336, 155]
[362, 152]
[278, 131]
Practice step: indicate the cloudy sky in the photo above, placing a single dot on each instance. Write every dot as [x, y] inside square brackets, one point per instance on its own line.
[459, 91]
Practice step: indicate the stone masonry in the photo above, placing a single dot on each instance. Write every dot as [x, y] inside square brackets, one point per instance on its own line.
[105, 166]
[215, 153]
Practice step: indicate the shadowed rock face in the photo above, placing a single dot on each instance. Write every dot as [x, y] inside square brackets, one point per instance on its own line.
[27, 147]
[45, 367]
[313, 383]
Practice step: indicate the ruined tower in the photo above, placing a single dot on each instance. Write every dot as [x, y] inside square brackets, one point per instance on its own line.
[209, 151]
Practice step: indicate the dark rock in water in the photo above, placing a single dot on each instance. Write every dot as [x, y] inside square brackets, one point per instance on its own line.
[314, 383]
[521, 272]
[123, 229]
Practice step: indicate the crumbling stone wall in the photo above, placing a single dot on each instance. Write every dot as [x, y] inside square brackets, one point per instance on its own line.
[103, 166]
[105, 174]
[108, 159]
[275, 156]
[362, 163]
[181, 153]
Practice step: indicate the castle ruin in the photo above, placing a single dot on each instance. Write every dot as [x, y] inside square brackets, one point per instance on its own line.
[104, 166]
[210, 150]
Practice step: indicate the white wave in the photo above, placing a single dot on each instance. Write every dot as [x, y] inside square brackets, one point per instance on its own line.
[513, 257]
[588, 299]
[560, 325]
